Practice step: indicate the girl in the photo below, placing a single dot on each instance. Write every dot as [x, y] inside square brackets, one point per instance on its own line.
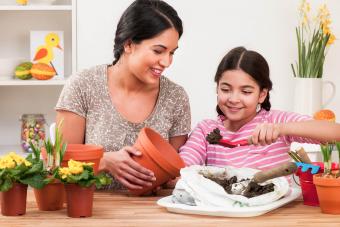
[244, 113]
[109, 104]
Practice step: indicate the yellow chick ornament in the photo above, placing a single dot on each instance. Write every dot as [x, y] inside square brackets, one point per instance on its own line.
[22, 2]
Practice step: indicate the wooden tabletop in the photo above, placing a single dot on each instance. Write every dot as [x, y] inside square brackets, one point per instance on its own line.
[119, 209]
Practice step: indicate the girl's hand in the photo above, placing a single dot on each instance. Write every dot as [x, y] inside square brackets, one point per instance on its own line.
[128, 172]
[266, 133]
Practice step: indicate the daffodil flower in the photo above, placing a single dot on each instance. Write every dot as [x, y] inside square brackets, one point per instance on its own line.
[314, 37]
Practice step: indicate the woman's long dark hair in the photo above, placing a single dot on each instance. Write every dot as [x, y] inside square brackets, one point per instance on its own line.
[144, 19]
[250, 62]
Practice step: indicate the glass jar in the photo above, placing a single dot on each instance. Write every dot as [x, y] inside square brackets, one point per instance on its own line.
[32, 130]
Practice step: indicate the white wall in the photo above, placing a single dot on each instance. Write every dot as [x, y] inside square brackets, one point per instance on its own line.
[211, 28]
[15, 27]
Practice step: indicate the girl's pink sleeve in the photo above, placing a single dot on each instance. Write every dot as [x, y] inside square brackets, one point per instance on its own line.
[194, 151]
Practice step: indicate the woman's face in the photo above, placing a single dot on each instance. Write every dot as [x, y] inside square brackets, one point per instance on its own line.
[238, 96]
[148, 59]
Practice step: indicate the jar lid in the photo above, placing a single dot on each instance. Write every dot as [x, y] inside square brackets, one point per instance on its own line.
[39, 117]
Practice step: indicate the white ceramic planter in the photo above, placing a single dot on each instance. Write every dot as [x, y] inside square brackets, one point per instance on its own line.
[308, 95]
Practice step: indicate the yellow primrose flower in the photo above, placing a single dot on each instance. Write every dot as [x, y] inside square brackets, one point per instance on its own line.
[88, 163]
[7, 162]
[72, 163]
[64, 172]
[11, 160]
[76, 169]
[27, 163]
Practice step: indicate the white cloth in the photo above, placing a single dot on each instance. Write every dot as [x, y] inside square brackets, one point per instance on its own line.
[193, 186]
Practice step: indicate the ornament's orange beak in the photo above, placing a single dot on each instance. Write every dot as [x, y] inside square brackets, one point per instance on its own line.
[59, 47]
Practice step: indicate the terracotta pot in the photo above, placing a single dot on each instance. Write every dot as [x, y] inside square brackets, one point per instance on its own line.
[328, 190]
[310, 197]
[51, 197]
[79, 200]
[13, 202]
[81, 152]
[158, 156]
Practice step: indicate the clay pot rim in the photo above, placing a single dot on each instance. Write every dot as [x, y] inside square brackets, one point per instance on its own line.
[77, 147]
[16, 183]
[83, 155]
[92, 186]
[319, 180]
[82, 148]
[83, 151]
[156, 156]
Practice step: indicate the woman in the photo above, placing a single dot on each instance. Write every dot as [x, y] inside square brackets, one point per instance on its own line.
[109, 104]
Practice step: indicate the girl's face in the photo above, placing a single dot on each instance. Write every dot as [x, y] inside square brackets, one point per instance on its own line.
[238, 96]
[148, 59]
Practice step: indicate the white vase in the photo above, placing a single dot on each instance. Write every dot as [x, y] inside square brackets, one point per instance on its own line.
[308, 95]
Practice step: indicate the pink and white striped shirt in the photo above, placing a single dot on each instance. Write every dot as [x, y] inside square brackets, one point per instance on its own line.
[197, 150]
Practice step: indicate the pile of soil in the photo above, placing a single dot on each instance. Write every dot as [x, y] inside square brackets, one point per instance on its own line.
[253, 189]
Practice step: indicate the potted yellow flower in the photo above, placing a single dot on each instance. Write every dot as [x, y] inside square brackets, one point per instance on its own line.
[16, 173]
[314, 37]
[328, 183]
[80, 182]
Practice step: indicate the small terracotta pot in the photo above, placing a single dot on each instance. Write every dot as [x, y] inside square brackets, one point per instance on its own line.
[13, 201]
[51, 196]
[158, 156]
[309, 194]
[81, 152]
[79, 200]
[328, 190]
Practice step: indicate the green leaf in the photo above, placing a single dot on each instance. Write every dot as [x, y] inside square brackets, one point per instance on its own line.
[36, 168]
[337, 144]
[326, 150]
[87, 183]
[102, 179]
[5, 185]
[35, 181]
[17, 171]
[62, 152]
[36, 151]
[2, 173]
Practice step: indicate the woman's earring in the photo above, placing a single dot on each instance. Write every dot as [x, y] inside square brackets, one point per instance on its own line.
[258, 107]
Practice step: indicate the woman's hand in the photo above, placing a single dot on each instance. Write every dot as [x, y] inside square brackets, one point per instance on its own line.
[167, 185]
[171, 184]
[266, 133]
[128, 172]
